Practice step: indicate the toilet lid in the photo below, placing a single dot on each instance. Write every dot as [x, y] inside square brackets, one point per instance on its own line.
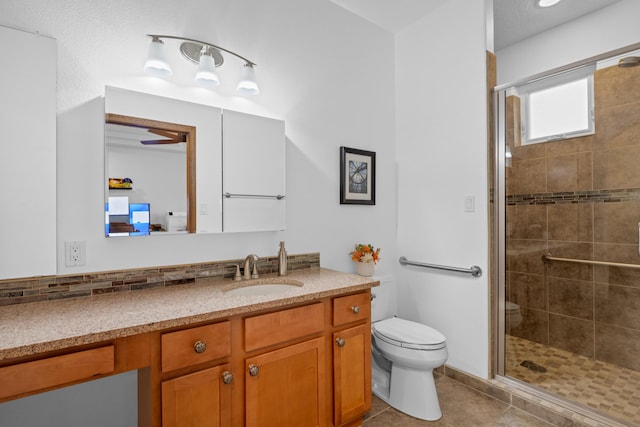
[408, 334]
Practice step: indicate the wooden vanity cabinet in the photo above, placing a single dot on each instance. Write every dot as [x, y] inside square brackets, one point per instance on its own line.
[351, 358]
[301, 365]
[201, 398]
[285, 386]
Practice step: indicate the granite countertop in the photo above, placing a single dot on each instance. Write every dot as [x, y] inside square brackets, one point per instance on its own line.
[30, 329]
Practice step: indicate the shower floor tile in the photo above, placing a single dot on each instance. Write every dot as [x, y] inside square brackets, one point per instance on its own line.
[608, 388]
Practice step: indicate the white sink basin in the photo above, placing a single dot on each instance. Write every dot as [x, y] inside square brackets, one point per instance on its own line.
[264, 287]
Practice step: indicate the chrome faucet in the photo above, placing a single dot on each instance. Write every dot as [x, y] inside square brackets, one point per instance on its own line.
[250, 267]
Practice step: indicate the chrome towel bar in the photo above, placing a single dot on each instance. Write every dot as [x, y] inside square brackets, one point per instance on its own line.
[254, 196]
[475, 271]
[548, 257]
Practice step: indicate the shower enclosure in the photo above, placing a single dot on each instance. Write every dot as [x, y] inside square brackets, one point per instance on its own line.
[568, 224]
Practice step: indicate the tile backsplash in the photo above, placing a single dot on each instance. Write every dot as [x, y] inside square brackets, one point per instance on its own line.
[44, 288]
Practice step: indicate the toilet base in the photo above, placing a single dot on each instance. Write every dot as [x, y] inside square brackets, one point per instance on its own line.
[414, 393]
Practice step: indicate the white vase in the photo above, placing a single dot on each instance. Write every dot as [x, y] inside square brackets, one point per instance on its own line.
[365, 268]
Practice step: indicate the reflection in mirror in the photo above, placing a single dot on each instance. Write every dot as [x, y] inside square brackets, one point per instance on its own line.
[150, 177]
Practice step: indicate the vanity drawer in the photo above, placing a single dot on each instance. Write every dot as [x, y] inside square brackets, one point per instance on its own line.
[55, 371]
[195, 345]
[273, 328]
[351, 308]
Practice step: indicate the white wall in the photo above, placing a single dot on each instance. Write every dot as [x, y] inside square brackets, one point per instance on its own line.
[165, 191]
[441, 151]
[599, 32]
[326, 72]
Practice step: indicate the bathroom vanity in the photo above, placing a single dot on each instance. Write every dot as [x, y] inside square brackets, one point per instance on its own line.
[301, 356]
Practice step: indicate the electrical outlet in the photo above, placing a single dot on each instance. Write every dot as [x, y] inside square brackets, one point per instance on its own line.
[74, 253]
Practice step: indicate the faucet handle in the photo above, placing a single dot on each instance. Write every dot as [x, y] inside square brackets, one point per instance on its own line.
[254, 273]
[236, 277]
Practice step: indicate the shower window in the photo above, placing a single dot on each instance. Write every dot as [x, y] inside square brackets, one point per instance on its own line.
[558, 107]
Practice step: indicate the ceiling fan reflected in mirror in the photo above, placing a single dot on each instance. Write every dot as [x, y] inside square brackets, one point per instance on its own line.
[172, 137]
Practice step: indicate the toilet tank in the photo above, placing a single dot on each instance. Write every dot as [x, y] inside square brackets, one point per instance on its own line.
[384, 305]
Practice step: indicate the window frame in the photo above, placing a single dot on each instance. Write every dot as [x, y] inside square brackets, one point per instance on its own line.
[525, 91]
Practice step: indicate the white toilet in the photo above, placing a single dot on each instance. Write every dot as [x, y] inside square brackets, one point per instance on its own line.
[404, 355]
[512, 314]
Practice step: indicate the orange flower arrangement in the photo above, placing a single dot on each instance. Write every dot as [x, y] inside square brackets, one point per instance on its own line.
[365, 253]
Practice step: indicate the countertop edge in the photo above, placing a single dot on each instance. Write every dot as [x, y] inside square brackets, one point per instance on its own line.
[318, 291]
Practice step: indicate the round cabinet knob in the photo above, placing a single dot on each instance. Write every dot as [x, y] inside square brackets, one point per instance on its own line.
[253, 370]
[355, 309]
[200, 347]
[227, 377]
[341, 342]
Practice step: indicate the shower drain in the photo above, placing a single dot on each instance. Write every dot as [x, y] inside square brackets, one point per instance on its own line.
[533, 366]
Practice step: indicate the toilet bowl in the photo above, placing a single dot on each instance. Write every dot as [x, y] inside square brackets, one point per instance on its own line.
[404, 354]
[512, 314]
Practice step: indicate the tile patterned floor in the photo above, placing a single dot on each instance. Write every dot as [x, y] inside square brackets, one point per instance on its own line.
[461, 406]
[607, 388]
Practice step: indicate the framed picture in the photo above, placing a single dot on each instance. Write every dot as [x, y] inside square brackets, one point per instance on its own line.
[357, 177]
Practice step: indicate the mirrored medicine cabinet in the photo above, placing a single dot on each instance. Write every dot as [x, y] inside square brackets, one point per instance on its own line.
[177, 167]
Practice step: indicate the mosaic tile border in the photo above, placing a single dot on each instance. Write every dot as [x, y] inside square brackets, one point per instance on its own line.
[47, 288]
[589, 196]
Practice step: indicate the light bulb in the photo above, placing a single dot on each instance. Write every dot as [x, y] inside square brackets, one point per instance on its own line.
[248, 84]
[156, 63]
[546, 3]
[206, 74]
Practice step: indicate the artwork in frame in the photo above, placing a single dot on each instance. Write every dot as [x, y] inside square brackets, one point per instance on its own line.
[357, 177]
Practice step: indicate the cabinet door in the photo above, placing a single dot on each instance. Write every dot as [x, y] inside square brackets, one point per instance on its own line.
[352, 373]
[201, 399]
[286, 387]
[27, 155]
[254, 172]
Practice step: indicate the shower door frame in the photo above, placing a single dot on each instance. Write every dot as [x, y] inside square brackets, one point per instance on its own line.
[499, 212]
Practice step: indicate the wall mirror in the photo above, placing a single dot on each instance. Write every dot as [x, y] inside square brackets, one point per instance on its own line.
[158, 178]
[181, 181]
[140, 201]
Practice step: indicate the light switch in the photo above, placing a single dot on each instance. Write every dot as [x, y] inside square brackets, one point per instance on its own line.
[469, 204]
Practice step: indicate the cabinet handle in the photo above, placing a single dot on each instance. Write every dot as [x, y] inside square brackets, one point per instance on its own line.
[227, 377]
[341, 342]
[355, 309]
[253, 370]
[200, 347]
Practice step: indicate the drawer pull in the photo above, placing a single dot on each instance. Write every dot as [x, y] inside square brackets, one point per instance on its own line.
[253, 370]
[227, 377]
[200, 347]
[355, 309]
[341, 342]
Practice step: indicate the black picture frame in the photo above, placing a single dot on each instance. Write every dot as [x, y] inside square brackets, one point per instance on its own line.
[357, 177]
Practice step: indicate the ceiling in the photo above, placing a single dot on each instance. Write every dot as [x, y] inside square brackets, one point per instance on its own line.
[514, 20]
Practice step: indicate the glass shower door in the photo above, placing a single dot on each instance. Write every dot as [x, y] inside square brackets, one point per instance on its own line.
[570, 220]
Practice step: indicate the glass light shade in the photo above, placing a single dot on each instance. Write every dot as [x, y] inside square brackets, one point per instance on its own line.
[248, 84]
[206, 74]
[546, 3]
[156, 63]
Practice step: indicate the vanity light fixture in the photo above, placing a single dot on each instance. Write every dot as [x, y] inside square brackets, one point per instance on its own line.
[208, 56]
[546, 3]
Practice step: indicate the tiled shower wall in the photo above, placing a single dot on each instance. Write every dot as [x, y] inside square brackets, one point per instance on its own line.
[580, 198]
